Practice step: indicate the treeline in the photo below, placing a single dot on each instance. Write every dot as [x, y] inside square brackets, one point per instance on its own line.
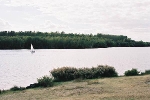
[61, 40]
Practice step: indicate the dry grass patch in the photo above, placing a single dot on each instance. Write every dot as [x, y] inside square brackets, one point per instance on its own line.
[95, 81]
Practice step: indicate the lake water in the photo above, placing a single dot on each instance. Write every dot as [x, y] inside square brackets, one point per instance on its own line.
[21, 68]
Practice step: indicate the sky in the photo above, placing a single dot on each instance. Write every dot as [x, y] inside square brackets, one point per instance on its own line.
[118, 17]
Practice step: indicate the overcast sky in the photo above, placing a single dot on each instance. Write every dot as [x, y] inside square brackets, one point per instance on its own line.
[118, 17]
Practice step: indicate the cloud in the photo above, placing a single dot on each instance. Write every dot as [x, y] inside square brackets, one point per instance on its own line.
[83, 16]
[49, 26]
[4, 25]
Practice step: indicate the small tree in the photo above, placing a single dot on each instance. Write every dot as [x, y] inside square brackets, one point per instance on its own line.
[132, 72]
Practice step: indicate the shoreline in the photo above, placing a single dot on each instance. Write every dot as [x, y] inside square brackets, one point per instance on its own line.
[116, 88]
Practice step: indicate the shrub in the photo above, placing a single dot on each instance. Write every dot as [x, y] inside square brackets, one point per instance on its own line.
[45, 81]
[146, 72]
[33, 86]
[132, 72]
[69, 73]
[16, 88]
[105, 71]
[63, 74]
[84, 73]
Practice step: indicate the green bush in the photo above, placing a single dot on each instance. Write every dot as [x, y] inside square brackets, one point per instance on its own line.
[64, 73]
[132, 72]
[69, 73]
[146, 72]
[34, 85]
[45, 81]
[104, 71]
[16, 88]
[83, 73]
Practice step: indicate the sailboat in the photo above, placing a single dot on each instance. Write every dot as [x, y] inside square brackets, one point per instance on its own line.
[32, 49]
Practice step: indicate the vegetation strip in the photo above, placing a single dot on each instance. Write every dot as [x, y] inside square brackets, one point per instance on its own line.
[71, 73]
[56, 40]
[78, 75]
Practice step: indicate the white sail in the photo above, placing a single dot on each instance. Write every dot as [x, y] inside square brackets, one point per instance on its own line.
[32, 49]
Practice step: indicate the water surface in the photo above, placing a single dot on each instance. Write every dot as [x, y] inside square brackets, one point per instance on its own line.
[21, 68]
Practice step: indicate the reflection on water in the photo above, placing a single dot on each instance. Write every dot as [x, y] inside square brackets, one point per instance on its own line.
[21, 67]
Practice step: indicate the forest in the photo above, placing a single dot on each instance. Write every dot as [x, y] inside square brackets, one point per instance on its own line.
[62, 40]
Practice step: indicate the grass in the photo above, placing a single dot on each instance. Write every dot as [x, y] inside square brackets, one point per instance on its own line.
[119, 88]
